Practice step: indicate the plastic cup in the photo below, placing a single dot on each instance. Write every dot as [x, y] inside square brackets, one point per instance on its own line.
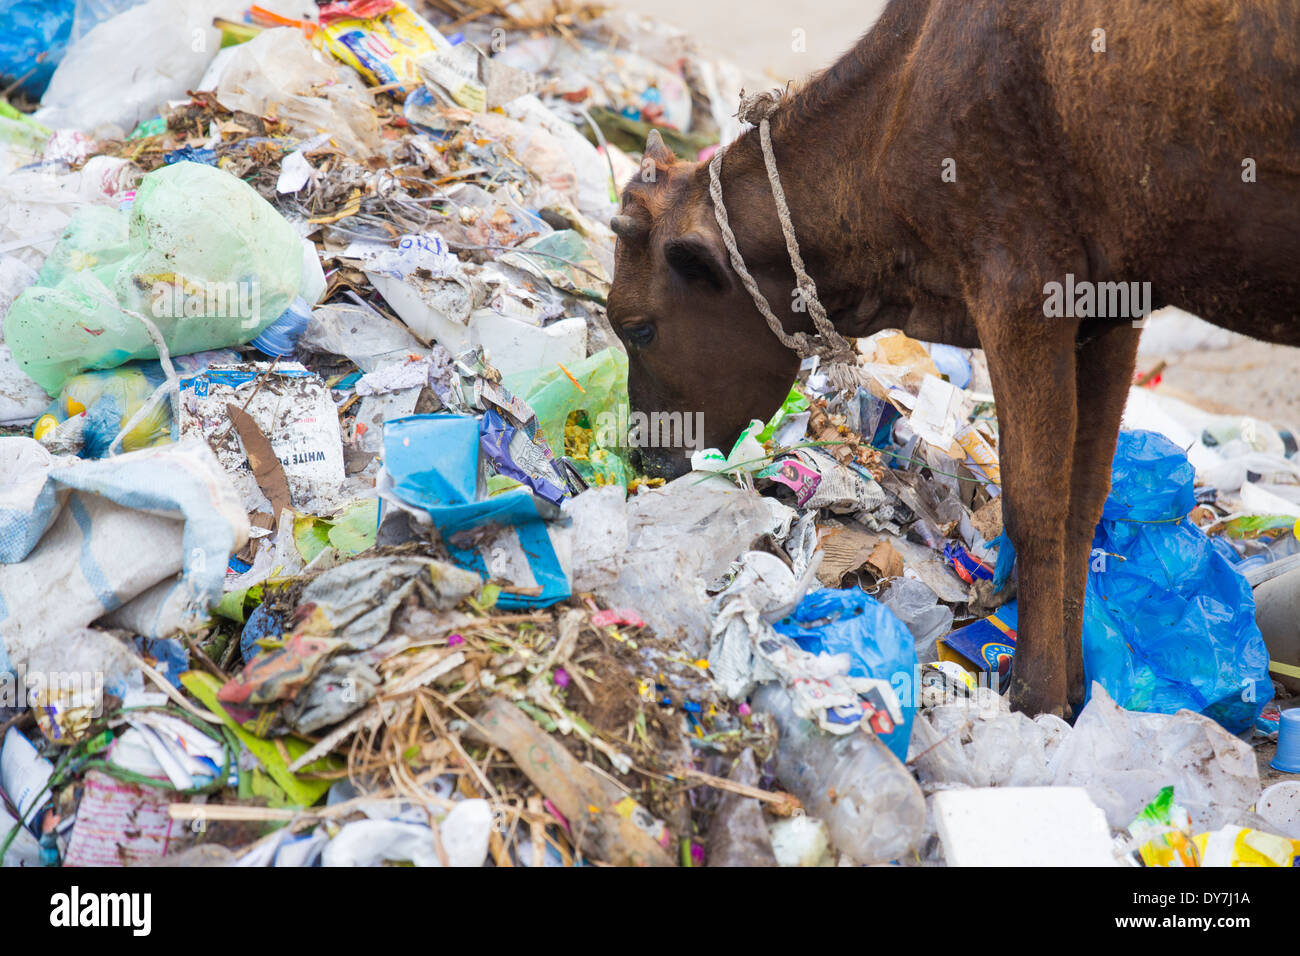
[1287, 758]
[1280, 806]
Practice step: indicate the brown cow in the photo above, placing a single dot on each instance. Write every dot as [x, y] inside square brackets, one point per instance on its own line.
[962, 157]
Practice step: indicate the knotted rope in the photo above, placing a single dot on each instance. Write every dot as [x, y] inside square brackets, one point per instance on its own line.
[833, 350]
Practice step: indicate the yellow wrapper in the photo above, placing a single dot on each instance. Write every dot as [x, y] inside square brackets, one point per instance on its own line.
[384, 49]
[1235, 846]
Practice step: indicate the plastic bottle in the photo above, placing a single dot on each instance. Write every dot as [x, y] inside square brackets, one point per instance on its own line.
[280, 338]
[871, 804]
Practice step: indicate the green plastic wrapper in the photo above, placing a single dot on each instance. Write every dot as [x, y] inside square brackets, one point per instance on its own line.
[200, 254]
[590, 440]
[794, 403]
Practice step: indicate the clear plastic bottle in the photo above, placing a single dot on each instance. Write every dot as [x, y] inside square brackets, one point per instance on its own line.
[871, 804]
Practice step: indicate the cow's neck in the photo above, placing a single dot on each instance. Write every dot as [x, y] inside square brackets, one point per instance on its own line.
[831, 142]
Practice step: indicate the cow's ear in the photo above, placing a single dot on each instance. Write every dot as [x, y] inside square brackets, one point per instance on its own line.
[699, 259]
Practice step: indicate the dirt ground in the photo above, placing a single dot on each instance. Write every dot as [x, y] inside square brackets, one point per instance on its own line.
[777, 41]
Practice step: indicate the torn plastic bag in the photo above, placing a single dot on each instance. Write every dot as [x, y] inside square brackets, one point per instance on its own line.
[881, 647]
[681, 539]
[279, 73]
[200, 254]
[596, 438]
[108, 399]
[21, 399]
[1168, 622]
[359, 598]
[143, 537]
[1124, 759]
[598, 531]
[36, 32]
[367, 338]
[37, 203]
[433, 464]
[462, 836]
[918, 607]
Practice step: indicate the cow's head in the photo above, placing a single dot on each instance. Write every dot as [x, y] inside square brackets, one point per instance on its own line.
[695, 341]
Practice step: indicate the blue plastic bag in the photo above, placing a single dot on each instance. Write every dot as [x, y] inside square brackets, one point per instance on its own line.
[32, 29]
[434, 464]
[1169, 623]
[879, 644]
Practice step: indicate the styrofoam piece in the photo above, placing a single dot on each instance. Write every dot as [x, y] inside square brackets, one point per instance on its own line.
[1022, 826]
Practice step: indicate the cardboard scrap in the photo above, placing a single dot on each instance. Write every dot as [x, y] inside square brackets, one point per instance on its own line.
[987, 519]
[885, 562]
[844, 550]
[607, 827]
[267, 470]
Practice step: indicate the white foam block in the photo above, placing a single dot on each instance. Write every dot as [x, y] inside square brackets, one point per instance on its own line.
[1022, 826]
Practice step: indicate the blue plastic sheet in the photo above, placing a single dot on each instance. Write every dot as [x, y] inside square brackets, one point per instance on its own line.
[879, 644]
[33, 37]
[263, 622]
[1169, 623]
[434, 463]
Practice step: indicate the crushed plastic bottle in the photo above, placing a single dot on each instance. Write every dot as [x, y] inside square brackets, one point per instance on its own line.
[878, 811]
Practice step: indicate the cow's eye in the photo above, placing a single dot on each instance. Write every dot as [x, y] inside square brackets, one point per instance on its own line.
[641, 335]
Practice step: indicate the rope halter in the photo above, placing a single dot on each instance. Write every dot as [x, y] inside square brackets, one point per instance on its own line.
[828, 345]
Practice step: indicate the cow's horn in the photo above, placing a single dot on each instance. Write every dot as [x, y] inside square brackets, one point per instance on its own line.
[625, 227]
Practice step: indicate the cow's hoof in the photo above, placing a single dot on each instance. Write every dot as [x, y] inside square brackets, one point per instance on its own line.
[1074, 708]
[1032, 700]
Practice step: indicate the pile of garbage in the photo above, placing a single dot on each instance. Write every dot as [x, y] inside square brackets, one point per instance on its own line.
[318, 546]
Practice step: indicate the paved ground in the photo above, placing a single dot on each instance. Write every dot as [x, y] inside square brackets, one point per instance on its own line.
[779, 40]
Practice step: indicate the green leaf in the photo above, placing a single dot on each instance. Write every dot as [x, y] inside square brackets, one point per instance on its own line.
[231, 605]
[355, 527]
[311, 536]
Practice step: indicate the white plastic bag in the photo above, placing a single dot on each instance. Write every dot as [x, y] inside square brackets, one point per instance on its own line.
[280, 72]
[1124, 758]
[122, 71]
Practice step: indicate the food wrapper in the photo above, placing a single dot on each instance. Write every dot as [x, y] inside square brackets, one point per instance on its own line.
[385, 47]
[473, 80]
[525, 458]
[981, 458]
[819, 481]
[968, 567]
[822, 690]
[1166, 829]
[1237, 846]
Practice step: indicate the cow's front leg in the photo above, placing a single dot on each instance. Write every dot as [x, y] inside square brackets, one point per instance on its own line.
[1031, 362]
[1103, 371]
